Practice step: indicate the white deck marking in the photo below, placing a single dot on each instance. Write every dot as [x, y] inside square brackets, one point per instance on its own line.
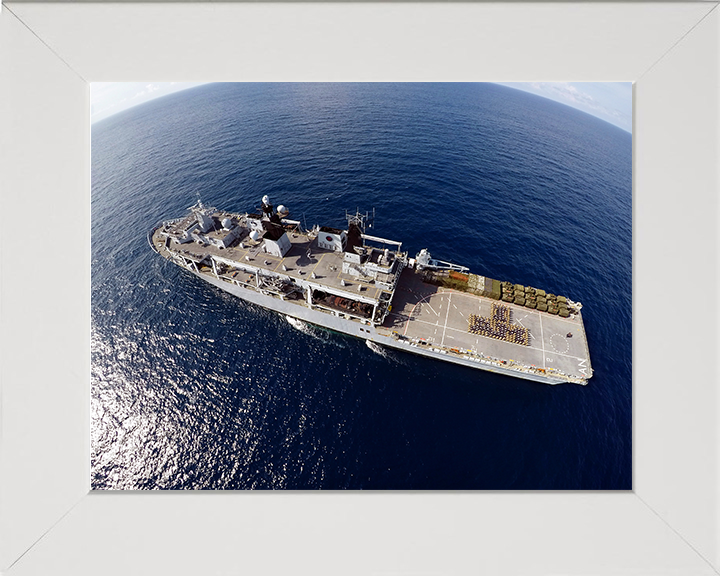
[542, 341]
[407, 323]
[562, 339]
[446, 319]
[519, 321]
[582, 370]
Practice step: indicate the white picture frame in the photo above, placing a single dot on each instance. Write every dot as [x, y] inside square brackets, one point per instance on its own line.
[50, 522]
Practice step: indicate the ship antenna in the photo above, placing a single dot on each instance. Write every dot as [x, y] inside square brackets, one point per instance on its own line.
[357, 219]
[362, 221]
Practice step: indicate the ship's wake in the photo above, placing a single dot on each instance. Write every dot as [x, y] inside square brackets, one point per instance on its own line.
[298, 324]
[313, 331]
[387, 354]
[377, 349]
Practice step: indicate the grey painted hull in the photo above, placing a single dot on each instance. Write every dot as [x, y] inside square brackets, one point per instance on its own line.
[368, 332]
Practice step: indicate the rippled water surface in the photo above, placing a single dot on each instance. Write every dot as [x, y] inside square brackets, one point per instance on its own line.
[193, 388]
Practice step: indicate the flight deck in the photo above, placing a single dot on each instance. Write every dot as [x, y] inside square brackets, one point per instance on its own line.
[443, 317]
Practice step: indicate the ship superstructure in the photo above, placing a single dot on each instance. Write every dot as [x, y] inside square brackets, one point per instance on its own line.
[366, 286]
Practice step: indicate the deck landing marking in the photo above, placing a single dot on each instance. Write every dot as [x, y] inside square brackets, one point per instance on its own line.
[420, 302]
[582, 370]
[556, 346]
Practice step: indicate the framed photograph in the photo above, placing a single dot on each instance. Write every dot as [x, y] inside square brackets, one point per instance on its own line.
[51, 520]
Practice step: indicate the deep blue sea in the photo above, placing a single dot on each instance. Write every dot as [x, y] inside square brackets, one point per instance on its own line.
[195, 389]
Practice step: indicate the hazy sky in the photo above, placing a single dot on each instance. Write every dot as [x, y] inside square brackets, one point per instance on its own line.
[610, 101]
[108, 98]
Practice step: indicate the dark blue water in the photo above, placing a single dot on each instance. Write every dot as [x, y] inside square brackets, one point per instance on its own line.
[193, 388]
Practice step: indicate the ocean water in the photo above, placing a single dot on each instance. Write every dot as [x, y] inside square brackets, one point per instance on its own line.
[195, 389]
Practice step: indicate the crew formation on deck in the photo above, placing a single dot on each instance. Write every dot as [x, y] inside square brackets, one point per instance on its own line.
[499, 325]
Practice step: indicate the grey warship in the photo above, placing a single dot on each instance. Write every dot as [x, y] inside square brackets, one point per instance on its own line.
[365, 286]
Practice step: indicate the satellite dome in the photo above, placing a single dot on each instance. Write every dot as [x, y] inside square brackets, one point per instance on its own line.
[266, 200]
[255, 235]
[282, 211]
[227, 223]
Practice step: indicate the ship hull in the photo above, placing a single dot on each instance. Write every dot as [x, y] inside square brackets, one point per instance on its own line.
[368, 332]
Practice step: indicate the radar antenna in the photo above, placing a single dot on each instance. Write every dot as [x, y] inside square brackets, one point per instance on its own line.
[198, 205]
